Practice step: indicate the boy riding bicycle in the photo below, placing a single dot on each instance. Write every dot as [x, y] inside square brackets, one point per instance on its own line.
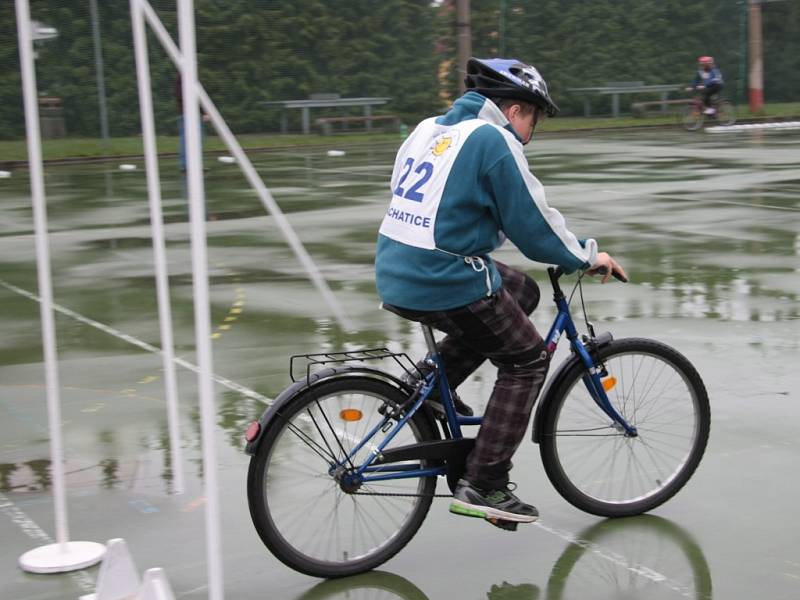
[460, 187]
[708, 79]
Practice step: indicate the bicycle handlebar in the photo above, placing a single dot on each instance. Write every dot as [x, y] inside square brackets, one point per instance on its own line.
[617, 276]
[556, 273]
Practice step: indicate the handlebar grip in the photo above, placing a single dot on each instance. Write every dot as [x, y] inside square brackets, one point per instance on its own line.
[617, 276]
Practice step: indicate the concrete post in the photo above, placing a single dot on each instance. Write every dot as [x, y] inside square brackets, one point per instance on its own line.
[755, 56]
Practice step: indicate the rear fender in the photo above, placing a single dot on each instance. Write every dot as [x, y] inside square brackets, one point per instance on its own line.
[315, 379]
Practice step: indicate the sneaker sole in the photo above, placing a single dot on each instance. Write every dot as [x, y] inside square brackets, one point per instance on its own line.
[459, 507]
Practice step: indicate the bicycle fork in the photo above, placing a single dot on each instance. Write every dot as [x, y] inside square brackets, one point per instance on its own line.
[593, 380]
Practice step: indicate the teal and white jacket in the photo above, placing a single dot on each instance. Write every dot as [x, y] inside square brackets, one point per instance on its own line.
[460, 186]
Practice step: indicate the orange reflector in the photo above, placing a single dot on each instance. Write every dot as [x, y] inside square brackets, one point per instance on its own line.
[609, 383]
[351, 414]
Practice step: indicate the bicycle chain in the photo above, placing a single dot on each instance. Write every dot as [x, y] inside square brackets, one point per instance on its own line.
[401, 495]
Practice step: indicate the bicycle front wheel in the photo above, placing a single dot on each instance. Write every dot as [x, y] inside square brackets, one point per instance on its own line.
[596, 466]
[726, 114]
[302, 513]
[691, 117]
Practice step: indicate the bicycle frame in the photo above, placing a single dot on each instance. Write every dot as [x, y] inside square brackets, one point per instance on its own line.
[563, 323]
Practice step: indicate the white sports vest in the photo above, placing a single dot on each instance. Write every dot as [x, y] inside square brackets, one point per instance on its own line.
[418, 180]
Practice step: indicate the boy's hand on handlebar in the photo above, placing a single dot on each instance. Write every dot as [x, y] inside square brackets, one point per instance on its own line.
[607, 266]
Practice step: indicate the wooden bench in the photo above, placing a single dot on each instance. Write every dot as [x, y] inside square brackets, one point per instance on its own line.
[618, 88]
[328, 125]
[639, 109]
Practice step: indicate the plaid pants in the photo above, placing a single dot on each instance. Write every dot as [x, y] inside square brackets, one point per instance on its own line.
[496, 327]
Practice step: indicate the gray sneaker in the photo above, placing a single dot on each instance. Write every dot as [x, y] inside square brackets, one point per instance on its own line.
[471, 501]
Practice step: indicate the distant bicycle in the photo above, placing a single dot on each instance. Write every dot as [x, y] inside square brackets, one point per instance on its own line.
[345, 461]
[721, 112]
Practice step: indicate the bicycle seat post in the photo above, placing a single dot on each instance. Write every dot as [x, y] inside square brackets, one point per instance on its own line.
[427, 331]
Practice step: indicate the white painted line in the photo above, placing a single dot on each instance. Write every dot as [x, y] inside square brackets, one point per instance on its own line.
[732, 202]
[228, 383]
[30, 528]
[782, 126]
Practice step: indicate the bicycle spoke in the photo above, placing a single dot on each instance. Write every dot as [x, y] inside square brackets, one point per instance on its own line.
[603, 463]
[309, 510]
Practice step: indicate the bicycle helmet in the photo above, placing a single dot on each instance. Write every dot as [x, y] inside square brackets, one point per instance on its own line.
[706, 60]
[509, 78]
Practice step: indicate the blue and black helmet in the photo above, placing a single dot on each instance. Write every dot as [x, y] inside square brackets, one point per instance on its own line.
[509, 78]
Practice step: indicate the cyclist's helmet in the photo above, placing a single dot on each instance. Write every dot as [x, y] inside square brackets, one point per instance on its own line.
[706, 60]
[509, 78]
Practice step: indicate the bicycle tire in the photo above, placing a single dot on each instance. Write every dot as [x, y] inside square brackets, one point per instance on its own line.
[302, 514]
[691, 117]
[726, 113]
[659, 392]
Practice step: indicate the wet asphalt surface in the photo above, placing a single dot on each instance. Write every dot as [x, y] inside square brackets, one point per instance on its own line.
[707, 226]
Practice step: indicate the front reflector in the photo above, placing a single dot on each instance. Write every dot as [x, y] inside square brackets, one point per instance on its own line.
[252, 431]
[609, 383]
[351, 414]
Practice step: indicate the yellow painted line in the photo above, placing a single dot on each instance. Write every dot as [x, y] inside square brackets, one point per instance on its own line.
[141, 344]
[237, 307]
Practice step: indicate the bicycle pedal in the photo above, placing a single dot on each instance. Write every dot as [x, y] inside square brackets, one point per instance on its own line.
[503, 524]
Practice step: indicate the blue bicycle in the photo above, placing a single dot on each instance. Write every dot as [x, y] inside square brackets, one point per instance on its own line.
[345, 462]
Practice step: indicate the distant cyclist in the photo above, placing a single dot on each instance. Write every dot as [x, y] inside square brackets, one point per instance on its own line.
[708, 79]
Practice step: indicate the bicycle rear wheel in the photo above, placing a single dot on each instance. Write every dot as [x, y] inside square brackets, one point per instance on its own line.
[599, 469]
[691, 117]
[302, 514]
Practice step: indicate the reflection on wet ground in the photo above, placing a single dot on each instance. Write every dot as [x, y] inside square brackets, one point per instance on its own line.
[610, 559]
[709, 229]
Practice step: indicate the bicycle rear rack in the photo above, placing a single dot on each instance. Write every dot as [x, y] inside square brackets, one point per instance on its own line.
[315, 362]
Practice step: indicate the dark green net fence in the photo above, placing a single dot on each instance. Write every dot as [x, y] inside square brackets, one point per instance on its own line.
[256, 51]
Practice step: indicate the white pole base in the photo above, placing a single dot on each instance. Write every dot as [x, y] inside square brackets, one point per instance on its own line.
[59, 558]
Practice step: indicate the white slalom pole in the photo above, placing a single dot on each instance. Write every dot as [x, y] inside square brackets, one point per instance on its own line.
[272, 207]
[159, 252]
[251, 174]
[63, 555]
[202, 317]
